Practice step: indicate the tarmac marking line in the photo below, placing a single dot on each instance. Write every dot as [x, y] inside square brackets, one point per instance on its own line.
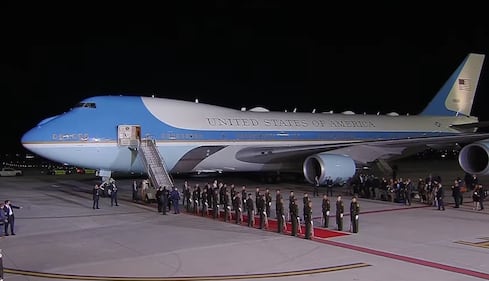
[188, 278]
[441, 266]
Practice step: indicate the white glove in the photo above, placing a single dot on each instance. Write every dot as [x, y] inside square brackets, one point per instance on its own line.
[269, 203]
[229, 208]
[239, 209]
[356, 217]
[327, 213]
[341, 215]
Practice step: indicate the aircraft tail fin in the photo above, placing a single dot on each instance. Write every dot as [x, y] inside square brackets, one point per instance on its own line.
[456, 96]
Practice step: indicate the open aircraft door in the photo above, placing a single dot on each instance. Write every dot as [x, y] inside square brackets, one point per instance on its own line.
[129, 135]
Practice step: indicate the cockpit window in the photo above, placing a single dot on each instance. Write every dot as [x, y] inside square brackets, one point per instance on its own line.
[86, 104]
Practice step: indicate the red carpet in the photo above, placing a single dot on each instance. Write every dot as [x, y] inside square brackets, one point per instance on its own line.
[319, 232]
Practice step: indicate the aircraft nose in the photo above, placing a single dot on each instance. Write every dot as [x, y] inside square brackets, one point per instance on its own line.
[30, 137]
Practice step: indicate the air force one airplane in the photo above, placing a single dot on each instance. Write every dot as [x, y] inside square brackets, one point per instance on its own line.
[136, 134]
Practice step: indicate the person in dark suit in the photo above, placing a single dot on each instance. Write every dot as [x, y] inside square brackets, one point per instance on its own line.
[175, 199]
[8, 209]
[3, 217]
[96, 192]
[113, 195]
[165, 193]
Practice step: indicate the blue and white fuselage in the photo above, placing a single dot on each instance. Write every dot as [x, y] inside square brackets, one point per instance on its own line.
[195, 137]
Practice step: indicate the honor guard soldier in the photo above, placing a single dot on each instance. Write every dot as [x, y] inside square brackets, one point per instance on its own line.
[305, 201]
[340, 209]
[238, 208]
[354, 212]
[204, 203]
[227, 206]
[187, 196]
[215, 203]
[280, 215]
[257, 197]
[260, 208]
[291, 200]
[195, 200]
[233, 196]
[294, 216]
[268, 202]
[210, 195]
[243, 197]
[308, 220]
[250, 208]
[326, 207]
[278, 199]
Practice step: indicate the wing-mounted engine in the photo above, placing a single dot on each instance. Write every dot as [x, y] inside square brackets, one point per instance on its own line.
[474, 158]
[339, 167]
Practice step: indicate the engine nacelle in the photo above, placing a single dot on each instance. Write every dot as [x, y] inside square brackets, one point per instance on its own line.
[339, 167]
[474, 158]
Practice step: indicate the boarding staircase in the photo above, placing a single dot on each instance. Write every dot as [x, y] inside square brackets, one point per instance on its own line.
[155, 164]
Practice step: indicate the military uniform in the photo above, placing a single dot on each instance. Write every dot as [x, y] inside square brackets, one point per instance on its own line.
[291, 200]
[294, 216]
[308, 219]
[354, 212]
[243, 197]
[326, 207]
[215, 204]
[195, 201]
[187, 198]
[250, 208]
[260, 208]
[238, 209]
[340, 209]
[268, 202]
[227, 206]
[280, 215]
[278, 199]
[204, 204]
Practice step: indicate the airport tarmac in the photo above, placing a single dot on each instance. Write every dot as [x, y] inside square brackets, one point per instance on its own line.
[60, 237]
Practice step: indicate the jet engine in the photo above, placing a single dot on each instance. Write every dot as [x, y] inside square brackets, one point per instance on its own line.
[339, 167]
[474, 158]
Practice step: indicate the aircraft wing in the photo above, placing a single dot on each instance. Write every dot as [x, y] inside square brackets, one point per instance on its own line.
[471, 126]
[359, 151]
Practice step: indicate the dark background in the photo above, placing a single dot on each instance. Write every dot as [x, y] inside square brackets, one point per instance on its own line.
[367, 59]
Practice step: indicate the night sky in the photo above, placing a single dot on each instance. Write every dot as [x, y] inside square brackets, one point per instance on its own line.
[257, 55]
